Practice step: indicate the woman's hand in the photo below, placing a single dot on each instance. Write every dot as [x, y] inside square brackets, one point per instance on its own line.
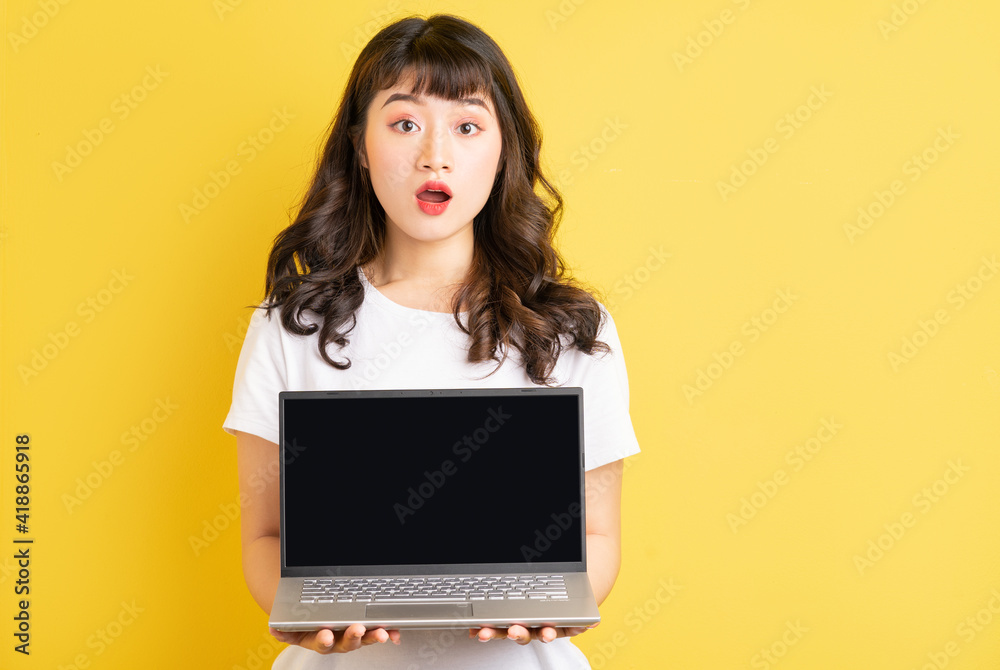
[326, 641]
[523, 635]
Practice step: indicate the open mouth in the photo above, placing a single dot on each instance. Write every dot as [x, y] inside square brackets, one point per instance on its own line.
[434, 192]
[433, 196]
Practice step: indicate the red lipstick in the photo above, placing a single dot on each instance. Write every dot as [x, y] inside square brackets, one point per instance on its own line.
[433, 197]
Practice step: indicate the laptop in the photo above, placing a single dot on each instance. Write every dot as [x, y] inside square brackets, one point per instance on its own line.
[394, 507]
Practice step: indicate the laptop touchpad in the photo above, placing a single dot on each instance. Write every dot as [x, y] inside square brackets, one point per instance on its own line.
[419, 611]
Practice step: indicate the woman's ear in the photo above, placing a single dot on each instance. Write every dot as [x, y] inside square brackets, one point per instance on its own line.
[360, 150]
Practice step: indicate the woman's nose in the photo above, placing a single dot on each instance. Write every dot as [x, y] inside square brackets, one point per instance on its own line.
[435, 152]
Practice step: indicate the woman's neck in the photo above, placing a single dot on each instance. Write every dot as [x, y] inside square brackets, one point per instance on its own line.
[419, 274]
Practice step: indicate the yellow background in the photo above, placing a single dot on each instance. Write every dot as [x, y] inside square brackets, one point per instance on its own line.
[639, 138]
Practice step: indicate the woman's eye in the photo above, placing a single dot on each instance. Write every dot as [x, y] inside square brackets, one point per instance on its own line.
[405, 125]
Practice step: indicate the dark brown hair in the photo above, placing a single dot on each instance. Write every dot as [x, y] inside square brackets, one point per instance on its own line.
[518, 291]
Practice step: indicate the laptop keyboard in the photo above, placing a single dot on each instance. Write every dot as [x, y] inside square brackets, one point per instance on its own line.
[458, 588]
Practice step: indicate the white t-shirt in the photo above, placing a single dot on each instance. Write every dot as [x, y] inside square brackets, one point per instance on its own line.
[398, 347]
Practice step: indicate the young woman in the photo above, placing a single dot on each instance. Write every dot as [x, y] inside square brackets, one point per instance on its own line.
[422, 257]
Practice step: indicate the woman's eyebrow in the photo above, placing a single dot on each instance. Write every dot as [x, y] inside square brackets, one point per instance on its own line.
[419, 100]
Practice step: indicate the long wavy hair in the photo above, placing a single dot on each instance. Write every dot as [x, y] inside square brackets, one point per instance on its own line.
[518, 291]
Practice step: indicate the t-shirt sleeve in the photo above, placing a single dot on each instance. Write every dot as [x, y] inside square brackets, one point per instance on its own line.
[608, 432]
[260, 374]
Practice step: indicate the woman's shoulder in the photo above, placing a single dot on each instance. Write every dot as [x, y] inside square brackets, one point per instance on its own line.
[607, 330]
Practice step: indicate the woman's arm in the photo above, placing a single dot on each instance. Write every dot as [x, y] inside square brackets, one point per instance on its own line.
[259, 519]
[604, 523]
[260, 528]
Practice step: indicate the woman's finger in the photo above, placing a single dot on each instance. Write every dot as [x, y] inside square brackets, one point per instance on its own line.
[325, 641]
[519, 634]
[485, 634]
[374, 636]
[522, 635]
[321, 641]
[350, 639]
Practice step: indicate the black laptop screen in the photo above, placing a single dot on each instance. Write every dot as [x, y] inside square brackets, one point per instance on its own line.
[441, 479]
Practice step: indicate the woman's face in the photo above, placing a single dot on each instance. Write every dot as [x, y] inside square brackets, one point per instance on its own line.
[432, 161]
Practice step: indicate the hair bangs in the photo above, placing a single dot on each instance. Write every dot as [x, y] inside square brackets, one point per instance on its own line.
[439, 69]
